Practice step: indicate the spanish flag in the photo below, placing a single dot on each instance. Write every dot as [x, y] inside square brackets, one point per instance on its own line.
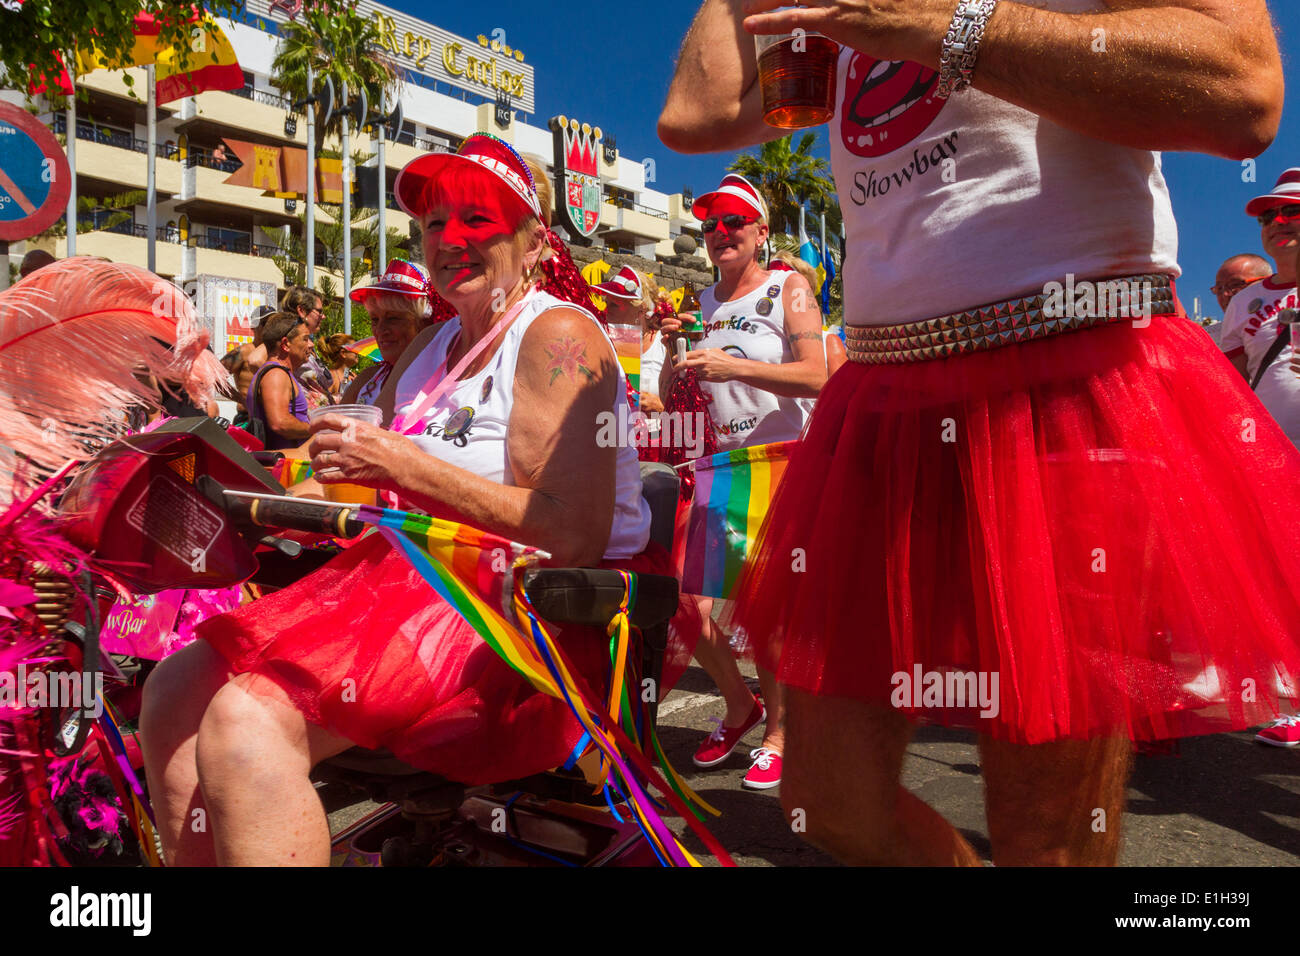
[211, 59]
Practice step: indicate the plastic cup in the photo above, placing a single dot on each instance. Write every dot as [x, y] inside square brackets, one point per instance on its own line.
[347, 492]
[796, 74]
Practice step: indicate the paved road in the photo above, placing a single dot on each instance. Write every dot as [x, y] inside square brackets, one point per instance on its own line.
[1221, 801]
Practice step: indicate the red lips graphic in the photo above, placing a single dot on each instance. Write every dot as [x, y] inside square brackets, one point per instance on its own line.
[887, 104]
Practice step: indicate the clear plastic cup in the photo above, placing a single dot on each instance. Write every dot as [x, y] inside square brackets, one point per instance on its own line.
[345, 491]
[796, 74]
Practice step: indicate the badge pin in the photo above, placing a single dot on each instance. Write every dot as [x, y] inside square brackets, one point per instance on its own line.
[773, 291]
[764, 307]
[487, 390]
[458, 424]
[1254, 305]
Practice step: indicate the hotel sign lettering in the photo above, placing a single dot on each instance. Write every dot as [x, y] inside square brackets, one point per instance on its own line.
[482, 65]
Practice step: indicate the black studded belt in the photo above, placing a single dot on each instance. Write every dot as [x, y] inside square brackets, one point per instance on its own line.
[1128, 298]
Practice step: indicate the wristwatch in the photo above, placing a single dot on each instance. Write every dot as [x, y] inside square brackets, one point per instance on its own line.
[961, 45]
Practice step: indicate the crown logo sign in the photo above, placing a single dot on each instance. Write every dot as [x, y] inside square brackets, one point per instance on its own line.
[581, 145]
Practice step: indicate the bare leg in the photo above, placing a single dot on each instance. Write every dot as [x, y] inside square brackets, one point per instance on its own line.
[255, 751]
[175, 697]
[841, 786]
[715, 656]
[1056, 804]
[774, 700]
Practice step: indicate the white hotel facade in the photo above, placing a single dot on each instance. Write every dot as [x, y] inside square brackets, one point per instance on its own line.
[207, 228]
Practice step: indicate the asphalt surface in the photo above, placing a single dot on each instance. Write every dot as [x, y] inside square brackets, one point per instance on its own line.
[1219, 801]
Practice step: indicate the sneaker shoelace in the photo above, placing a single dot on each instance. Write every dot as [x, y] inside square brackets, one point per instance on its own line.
[762, 757]
[1289, 721]
[719, 730]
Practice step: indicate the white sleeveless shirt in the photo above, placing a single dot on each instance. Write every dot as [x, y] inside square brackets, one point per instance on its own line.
[467, 426]
[751, 327]
[951, 204]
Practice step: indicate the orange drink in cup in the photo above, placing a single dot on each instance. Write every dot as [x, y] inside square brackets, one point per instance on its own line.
[346, 492]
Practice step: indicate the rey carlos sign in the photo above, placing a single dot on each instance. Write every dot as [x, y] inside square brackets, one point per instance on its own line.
[486, 65]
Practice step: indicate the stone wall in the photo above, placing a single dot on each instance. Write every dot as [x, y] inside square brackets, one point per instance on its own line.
[671, 273]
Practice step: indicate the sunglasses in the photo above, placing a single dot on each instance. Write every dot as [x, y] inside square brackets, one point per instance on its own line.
[1268, 215]
[731, 222]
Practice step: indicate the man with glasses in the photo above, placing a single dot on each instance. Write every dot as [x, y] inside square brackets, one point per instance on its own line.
[1235, 274]
[1251, 323]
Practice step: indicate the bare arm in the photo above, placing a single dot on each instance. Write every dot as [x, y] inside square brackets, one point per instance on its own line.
[563, 497]
[1201, 75]
[277, 391]
[714, 103]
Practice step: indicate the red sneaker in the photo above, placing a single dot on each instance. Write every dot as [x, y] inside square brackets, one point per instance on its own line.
[1283, 732]
[718, 746]
[766, 772]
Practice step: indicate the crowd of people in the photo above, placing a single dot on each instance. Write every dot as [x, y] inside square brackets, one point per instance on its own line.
[963, 467]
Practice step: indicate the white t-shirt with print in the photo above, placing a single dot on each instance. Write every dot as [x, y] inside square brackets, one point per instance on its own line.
[1250, 326]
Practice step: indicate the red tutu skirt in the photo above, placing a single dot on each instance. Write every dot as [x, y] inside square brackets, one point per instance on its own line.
[366, 649]
[1093, 532]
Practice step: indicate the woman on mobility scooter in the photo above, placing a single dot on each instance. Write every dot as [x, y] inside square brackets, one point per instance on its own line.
[363, 651]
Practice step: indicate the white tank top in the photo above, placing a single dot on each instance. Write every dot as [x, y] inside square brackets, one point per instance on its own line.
[958, 203]
[467, 426]
[751, 327]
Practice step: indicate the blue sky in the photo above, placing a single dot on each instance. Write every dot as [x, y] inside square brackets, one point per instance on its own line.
[609, 65]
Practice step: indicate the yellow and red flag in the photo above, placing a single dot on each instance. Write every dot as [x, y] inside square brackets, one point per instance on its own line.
[211, 63]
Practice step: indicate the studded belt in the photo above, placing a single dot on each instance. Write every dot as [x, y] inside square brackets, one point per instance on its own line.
[1051, 312]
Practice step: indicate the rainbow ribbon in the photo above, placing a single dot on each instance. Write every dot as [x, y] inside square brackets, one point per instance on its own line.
[474, 572]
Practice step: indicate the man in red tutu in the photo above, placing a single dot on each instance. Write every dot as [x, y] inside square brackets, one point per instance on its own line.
[1014, 507]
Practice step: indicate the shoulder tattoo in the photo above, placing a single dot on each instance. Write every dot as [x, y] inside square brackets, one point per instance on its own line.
[805, 335]
[568, 357]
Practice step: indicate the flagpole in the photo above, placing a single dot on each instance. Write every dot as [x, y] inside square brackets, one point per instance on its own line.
[310, 225]
[70, 61]
[151, 169]
[347, 218]
[383, 184]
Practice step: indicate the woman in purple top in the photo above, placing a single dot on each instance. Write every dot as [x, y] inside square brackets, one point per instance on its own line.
[280, 401]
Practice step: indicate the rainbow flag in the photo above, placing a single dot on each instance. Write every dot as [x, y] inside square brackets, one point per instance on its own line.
[290, 471]
[474, 572]
[368, 349]
[631, 365]
[732, 492]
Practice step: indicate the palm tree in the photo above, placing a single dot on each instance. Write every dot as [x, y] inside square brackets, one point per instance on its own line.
[335, 41]
[788, 176]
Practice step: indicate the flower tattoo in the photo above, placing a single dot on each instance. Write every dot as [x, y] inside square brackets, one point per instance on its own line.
[568, 356]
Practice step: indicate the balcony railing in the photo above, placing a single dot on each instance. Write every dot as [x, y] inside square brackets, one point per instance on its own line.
[420, 142]
[242, 246]
[262, 96]
[128, 228]
[622, 202]
[201, 156]
[113, 137]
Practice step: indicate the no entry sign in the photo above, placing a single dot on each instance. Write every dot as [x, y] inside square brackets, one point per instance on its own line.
[34, 175]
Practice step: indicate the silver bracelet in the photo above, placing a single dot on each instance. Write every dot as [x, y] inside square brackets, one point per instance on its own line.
[961, 45]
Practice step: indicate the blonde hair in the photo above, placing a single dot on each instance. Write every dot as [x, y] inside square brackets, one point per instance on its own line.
[798, 265]
[331, 349]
